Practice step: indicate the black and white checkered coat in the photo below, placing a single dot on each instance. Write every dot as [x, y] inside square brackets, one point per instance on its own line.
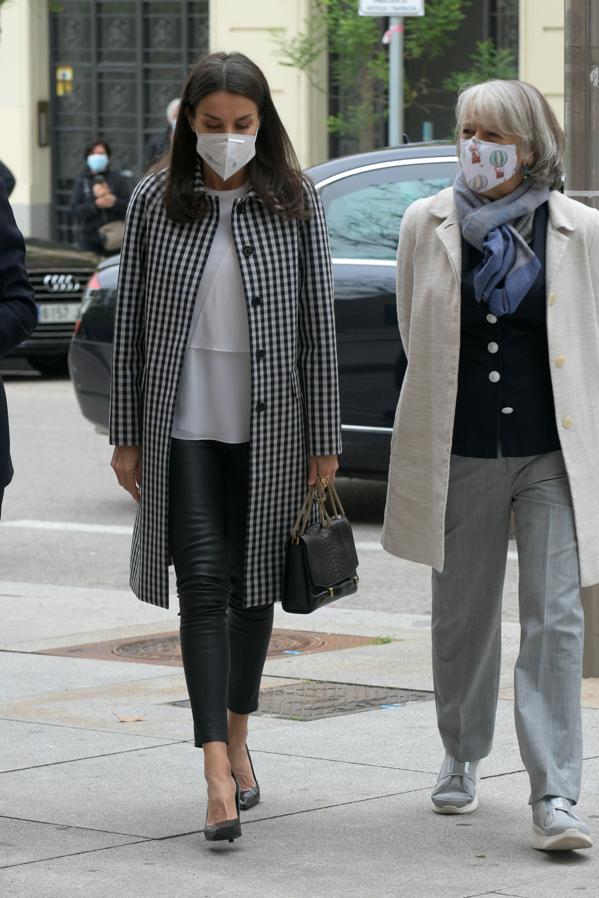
[287, 279]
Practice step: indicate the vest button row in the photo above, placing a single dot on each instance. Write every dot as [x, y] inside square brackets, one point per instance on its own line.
[567, 423]
[494, 377]
[256, 301]
[492, 319]
[248, 251]
[493, 347]
[508, 410]
[260, 406]
[552, 299]
[260, 354]
[560, 361]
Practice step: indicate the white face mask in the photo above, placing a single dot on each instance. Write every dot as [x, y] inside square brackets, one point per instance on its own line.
[226, 153]
[485, 164]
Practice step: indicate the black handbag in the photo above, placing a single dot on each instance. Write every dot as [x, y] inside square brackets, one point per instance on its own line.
[321, 562]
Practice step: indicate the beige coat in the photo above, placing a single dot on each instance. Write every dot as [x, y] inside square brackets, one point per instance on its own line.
[428, 304]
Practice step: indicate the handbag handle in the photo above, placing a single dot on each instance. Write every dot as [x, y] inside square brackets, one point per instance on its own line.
[318, 493]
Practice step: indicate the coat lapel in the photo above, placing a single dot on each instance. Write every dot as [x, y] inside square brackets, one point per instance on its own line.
[448, 230]
[559, 228]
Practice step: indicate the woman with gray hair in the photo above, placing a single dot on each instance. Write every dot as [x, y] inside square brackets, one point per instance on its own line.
[498, 308]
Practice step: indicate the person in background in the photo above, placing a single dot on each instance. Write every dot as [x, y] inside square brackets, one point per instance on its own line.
[498, 307]
[159, 144]
[18, 315]
[100, 195]
[7, 178]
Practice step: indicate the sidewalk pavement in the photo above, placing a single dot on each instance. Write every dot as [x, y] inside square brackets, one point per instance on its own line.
[101, 793]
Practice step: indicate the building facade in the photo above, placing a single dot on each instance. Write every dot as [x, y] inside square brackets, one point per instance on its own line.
[76, 69]
[71, 70]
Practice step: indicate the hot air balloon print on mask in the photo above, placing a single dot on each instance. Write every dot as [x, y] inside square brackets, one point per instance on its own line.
[498, 158]
[478, 183]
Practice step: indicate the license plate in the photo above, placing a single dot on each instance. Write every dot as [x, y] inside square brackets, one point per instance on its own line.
[57, 312]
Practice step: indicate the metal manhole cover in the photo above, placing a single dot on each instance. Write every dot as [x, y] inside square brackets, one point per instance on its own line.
[165, 648]
[316, 699]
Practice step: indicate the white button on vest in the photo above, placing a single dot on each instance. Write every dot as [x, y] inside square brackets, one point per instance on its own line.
[560, 360]
[494, 377]
[493, 347]
[492, 319]
[551, 299]
[507, 410]
[567, 422]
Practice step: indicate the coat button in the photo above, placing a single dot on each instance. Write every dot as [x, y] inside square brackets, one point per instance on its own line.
[551, 299]
[567, 422]
[494, 377]
[260, 354]
[560, 361]
[492, 319]
[493, 347]
[507, 410]
[256, 301]
[260, 406]
[248, 251]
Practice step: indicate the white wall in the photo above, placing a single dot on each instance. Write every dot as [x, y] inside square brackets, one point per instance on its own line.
[23, 82]
[542, 49]
[240, 25]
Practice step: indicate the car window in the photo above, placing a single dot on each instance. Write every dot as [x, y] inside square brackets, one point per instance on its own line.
[364, 211]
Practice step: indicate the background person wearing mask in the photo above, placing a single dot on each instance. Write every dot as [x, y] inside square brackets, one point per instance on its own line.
[159, 144]
[99, 196]
[18, 314]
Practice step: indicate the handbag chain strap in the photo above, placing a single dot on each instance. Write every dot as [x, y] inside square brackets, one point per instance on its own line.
[318, 493]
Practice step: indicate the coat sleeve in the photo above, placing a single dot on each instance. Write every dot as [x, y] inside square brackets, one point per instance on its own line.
[82, 204]
[18, 311]
[122, 195]
[405, 278]
[128, 356]
[317, 350]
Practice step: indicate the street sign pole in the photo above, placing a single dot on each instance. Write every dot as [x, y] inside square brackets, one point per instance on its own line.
[396, 10]
[395, 81]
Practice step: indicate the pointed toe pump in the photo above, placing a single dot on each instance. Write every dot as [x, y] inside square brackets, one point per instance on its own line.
[226, 830]
[250, 797]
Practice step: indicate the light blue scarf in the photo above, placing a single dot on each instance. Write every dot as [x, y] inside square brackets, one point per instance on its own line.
[509, 267]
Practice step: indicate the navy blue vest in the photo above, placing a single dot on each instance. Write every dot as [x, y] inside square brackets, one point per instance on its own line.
[505, 399]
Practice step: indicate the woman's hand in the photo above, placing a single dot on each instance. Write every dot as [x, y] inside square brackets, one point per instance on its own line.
[126, 464]
[323, 466]
[106, 201]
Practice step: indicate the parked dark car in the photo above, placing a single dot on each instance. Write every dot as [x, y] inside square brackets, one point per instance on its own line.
[364, 197]
[59, 275]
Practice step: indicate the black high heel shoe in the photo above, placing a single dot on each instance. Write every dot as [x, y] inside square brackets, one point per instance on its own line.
[226, 830]
[250, 797]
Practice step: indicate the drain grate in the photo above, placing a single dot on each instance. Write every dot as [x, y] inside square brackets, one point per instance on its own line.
[316, 699]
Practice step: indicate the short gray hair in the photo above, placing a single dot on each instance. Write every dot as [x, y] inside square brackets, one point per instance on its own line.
[516, 107]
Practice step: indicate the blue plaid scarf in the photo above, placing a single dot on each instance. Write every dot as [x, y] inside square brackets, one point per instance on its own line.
[495, 228]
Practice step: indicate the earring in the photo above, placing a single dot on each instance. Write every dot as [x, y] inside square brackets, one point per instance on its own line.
[525, 172]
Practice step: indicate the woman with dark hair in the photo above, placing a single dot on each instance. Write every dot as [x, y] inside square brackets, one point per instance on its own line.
[99, 196]
[224, 394]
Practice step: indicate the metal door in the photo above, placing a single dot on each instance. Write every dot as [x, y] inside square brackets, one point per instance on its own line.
[114, 66]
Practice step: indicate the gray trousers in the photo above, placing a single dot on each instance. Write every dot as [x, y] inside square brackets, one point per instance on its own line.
[466, 616]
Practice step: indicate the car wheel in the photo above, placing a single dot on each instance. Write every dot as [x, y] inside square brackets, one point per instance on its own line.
[51, 364]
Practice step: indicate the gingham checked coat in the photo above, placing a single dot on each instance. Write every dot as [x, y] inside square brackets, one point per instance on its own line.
[287, 279]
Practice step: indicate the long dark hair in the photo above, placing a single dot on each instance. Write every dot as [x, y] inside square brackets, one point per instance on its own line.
[274, 172]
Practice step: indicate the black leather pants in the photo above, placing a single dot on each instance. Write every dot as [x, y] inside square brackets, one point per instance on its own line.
[223, 644]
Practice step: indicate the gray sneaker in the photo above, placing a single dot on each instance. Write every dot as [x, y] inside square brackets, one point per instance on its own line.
[555, 826]
[456, 789]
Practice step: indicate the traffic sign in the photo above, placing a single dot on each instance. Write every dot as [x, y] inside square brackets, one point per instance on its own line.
[392, 8]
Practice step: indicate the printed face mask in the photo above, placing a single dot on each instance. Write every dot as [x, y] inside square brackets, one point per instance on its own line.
[97, 162]
[485, 165]
[226, 153]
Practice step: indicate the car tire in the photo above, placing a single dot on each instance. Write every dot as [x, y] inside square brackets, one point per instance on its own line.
[51, 364]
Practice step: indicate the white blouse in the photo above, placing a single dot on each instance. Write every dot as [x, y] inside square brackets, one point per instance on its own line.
[213, 402]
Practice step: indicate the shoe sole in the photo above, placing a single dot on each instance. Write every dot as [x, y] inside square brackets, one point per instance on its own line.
[568, 840]
[455, 809]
